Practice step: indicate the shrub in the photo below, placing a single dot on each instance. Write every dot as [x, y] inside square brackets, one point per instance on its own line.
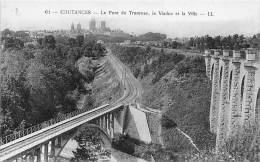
[167, 123]
[243, 145]
[121, 142]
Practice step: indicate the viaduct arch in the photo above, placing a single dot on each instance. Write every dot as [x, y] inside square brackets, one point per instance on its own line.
[106, 140]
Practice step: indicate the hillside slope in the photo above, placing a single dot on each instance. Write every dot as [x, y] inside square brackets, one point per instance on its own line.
[177, 85]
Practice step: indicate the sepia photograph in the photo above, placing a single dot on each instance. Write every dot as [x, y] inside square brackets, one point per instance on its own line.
[129, 81]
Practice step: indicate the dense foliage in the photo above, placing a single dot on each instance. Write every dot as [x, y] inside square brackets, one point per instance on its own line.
[145, 151]
[189, 101]
[124, 144]
[151, 37]
[233, 42]
[43, 80]
[21, 35]
[178, 86]
[167, 123]
[143, 61]
[89, 145]
[244, 145]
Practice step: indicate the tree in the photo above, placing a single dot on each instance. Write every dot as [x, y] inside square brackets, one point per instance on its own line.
[122, 143]
[88, 49]
[98, 50]
[167, 122]
[209, 42]
[21, 34]
[43, 81]
[40, 41]
[148, 49]
[72, 42]
[15, 103]
[217, 42]
[13, 43]
[152, 37]
[49, 42]
[89, 142]
[7, 32]
[191, 42]
[80, 40]
[86, 69]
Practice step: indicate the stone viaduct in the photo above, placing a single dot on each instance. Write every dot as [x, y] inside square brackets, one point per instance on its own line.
[235, 97]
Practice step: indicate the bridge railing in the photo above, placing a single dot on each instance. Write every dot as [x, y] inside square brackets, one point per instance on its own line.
[45, 124]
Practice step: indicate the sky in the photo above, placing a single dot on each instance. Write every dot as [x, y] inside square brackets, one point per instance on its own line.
[230, 16]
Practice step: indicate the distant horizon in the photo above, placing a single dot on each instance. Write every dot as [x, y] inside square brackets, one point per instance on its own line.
[230, 16]
[135, 34]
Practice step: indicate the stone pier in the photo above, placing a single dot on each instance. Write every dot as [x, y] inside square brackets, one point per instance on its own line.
[224, 102]
[235, 112]
[214, 106]
[249, 103]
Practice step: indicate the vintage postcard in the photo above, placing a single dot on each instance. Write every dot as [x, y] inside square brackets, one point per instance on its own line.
[130, 80]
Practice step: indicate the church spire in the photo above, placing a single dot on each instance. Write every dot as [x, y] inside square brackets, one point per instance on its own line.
[72, 26]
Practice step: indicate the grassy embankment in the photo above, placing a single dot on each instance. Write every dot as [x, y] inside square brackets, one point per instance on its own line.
[176, 85]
